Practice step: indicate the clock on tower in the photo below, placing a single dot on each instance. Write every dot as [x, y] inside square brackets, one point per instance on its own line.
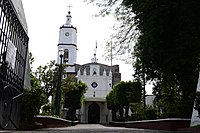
[68, 41]
[67, 34]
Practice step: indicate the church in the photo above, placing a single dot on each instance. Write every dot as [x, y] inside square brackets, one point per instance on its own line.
[99, 77]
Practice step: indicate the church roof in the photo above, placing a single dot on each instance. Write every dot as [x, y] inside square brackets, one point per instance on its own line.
[100, 64]
[107, 68]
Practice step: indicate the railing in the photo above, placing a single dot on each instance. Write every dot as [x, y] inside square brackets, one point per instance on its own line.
[13, 53]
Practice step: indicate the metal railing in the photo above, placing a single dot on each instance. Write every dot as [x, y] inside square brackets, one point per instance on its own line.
[13, 53]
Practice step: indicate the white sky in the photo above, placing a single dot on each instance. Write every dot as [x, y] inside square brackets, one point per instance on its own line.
[44, 18]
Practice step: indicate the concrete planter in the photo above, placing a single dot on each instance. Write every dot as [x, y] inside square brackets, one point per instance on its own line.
[170, 124]
[52, 122]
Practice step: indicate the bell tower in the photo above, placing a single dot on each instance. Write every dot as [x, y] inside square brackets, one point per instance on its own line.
[68, 42]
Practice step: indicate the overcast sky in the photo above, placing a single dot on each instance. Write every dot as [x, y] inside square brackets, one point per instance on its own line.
[44, 18]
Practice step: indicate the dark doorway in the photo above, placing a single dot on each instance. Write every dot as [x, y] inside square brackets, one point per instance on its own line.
[93, 113]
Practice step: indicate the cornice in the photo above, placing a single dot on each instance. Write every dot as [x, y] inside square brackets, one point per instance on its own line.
[68, 26]
[67, 44]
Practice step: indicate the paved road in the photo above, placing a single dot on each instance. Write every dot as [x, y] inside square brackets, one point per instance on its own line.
[94, 128]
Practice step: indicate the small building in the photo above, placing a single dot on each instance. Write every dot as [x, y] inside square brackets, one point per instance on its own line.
[98, 77]
[150, 100]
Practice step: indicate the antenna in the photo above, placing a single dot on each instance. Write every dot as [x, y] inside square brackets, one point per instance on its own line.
[111, 52]
[95, 50]
[95, 53]
[94, 60]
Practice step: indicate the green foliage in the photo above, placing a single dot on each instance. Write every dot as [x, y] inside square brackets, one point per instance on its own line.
[37, 95]
[32, 100]
[127, 92]
[137, 110]
[47, 75]
[173, 53]
[166, 47]
[121, 96]
[47, 109]
[150, 113]
[69, 84]
[74, 94]
[197, 126]
[111, 104]
[139, 113]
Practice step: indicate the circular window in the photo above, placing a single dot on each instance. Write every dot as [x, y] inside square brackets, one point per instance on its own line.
[94, 84]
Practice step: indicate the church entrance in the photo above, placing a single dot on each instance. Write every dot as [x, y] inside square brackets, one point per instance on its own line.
[93, 113]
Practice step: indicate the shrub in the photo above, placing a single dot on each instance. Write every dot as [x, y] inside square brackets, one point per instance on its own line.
[150, 113]
[30, 106]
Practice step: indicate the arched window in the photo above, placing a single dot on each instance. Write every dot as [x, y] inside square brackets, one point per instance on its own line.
[94, 72]
[66, 56]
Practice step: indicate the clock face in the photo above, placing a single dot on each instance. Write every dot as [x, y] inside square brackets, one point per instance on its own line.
[67, 34]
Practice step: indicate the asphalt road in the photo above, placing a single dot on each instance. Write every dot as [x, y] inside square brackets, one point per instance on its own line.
[94, 128]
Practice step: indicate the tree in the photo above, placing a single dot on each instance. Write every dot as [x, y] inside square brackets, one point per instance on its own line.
[167, 45]
[32, 100]
[73, 91]
[45, 78]
[122, 95]
[47, 75]
[125, 30]
[169, 40]
[111, 104]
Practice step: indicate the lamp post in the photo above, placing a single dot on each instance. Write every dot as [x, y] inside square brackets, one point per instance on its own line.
[58, 92]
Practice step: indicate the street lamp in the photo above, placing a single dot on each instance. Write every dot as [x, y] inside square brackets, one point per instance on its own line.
[58, 92]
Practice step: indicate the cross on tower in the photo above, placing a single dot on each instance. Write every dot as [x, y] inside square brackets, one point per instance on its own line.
[69, 7]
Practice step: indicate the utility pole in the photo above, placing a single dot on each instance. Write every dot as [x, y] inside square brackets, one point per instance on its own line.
[144, 92]
[111, 52]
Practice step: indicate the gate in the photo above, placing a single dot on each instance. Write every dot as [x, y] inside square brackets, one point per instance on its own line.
[13, 53]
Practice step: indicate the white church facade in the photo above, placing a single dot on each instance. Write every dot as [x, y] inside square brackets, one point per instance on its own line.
[98, 77]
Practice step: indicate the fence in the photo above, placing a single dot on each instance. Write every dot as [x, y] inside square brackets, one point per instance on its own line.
[13, 53]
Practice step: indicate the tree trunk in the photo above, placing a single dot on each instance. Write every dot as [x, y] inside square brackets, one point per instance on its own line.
[126, 112]
[121, 113]
[114, 117]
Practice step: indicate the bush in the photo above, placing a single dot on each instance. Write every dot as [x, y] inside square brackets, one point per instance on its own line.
[150, 113]
[30, 106]
[47, 109]
[137, 110]
[139, 113]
